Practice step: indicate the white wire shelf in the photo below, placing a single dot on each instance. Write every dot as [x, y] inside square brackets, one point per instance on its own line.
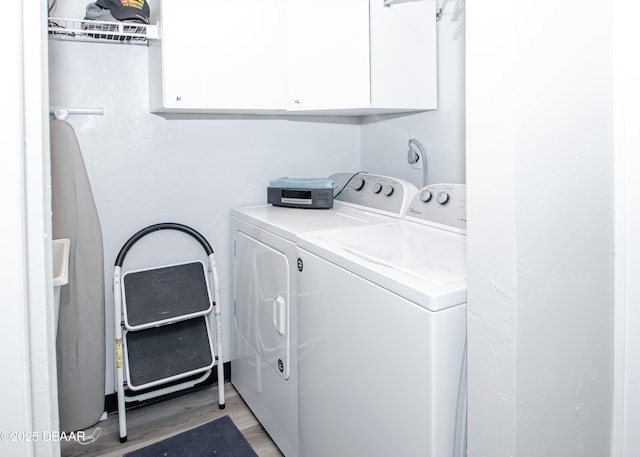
[101, 31]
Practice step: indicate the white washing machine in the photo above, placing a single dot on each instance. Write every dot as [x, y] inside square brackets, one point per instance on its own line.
[382, 334]
[264, 360]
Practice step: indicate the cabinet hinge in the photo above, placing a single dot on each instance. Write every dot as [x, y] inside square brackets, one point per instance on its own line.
[438, 14]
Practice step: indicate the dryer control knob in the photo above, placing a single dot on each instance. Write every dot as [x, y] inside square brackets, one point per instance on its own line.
[388, 190]
[442, 198]
[358, 184]
[425, 195]
[377, 188]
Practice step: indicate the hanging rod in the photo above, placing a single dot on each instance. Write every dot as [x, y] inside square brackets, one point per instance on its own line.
[388, 3]
[61, 113]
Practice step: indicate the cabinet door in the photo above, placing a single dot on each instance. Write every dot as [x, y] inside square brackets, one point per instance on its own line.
[328, 54]
[403, 55]
[224, 55]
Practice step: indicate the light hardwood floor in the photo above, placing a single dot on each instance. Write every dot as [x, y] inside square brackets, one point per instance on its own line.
[154, 422]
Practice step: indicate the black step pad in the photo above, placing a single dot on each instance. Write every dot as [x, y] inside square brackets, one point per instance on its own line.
[165, 293]
[170, 350]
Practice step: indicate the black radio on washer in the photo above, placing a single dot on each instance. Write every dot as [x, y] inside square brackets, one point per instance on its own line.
[301, 193]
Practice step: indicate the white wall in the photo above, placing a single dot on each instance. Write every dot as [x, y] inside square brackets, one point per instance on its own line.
[145, 169]
[385, 138]
[540, 235]
[14, 333]
[626, 440]
[29, 407]
[491, 200]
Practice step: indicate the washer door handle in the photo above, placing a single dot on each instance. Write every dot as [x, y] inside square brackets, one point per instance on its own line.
[279, 316]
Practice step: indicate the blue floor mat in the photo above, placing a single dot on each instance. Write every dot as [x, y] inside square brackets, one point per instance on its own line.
[219, 438]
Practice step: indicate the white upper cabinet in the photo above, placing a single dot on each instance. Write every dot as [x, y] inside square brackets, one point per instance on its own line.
[333, 57]
[328, 54]
[218, 56]
[403, 55]
[361, 57]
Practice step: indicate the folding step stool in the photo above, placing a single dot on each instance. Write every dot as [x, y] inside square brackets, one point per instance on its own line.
[162, 332]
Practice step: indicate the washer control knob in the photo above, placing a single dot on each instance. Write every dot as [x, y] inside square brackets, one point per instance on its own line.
[358, 184]
[425, 195]
[377, 188]
[388, 190]
[442, 198]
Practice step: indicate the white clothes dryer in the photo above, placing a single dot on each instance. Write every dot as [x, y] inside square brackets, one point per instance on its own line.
[264, 360]
[382, 334]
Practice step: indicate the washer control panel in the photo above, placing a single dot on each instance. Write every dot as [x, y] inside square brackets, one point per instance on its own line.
[380, 193]
[440, 205]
